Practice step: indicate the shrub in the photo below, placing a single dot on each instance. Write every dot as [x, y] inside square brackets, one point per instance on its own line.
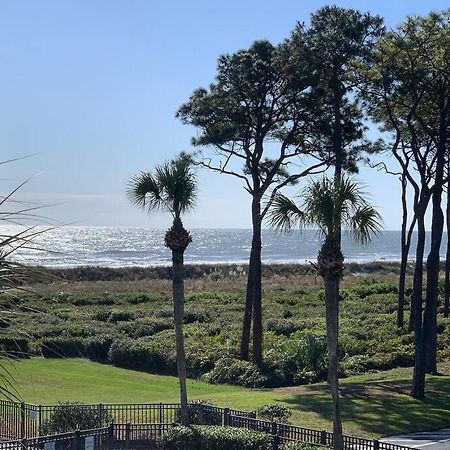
[138, 299]
[14, 345]
[200, 414]
[142, 328]
[191, 316]
[356, 364]
[82, 302]
[149, 357]
[106, 301]
[121, 316]
[283, 326]
[62, 347]
[102, 316]
[97, 348]
[213, 438]
[74, 416]
[235, 371]
[274, 412]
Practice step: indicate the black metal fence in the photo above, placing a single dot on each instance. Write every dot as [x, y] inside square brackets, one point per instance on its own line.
[136, 426]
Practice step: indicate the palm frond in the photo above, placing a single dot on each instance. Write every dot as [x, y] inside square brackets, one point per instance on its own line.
[144, 191]
[284, 214]
[365, 223]
[172, 186]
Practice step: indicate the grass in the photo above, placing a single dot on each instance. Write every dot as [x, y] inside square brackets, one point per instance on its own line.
[373, 404]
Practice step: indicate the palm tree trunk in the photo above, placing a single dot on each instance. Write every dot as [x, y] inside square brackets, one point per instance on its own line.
[332, 323]
[178, 314]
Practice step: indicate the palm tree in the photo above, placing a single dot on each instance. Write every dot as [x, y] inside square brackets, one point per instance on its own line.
[173, 188]
[330, 207]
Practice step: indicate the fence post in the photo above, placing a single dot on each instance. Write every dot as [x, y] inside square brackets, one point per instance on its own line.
[100, 415]
[376, 444]
[160, 412]
[127, 435]
[39, 419]
[201, 413]
[110, 438]
[22, 420]
[274, 433]
[76, 440]
[323, 437]
[226, 417]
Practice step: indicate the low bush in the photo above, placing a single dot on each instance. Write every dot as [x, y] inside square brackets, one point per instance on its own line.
[274, 412]
[235, 371]
[74, 416]
[82, 302]
[213, 438]
[146, 327]
[149, 357]
[62, 347]
[97, 348]
[138, 299]
[15, 346]
[283, 326]
[121, 316]
[200, 412]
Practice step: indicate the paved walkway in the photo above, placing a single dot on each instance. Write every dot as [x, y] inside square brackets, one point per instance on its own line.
[426, 440]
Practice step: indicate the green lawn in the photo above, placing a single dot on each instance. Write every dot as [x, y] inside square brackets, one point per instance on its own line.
[373, 404]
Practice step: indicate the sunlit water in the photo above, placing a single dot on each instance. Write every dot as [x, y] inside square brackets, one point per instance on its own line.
[125, 247]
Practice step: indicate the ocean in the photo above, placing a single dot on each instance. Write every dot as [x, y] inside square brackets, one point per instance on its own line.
[74, 246]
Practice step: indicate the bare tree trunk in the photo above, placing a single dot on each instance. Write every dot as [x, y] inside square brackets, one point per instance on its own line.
[404, 257]
[253, 297]
[256, 287]
[418, 384]
[433, 262]
[178, 314]
[247, 320]
[332, 322]
[447, 256]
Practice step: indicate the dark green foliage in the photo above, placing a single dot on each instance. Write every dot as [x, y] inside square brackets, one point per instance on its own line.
[274, 412]
[198, 415]
[150, 357]
[82, 301]
[63, 347]
[213, 438]
[300, 360]
[235, 371]
[283, 326]
[138, 299]
[121, 316]
[140, 328]
[97, 348]
[15, 346]
[74, 416]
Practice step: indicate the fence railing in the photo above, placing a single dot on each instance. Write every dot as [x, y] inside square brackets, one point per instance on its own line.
[139, 425]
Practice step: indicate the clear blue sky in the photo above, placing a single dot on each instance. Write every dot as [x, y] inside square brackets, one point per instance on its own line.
[91, 88]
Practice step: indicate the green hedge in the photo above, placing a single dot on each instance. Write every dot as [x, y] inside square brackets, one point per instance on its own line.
[213, 438]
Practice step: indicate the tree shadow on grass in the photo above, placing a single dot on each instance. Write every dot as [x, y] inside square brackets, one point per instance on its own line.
[382, 408]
